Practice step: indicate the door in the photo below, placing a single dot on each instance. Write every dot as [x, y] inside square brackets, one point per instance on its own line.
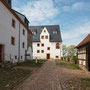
[1, 53]
[48, 56]
[25, 54]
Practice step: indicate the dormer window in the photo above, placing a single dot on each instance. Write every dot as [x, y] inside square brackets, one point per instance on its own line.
[9, 1]
[55, 32]
[34, 33]
[26, 22]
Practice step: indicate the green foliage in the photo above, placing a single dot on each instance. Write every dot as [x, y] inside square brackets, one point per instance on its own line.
[32, 63]
[70, 51]
[64, 48]
[87, 81]
[66, 64]
[74, 66]
[10, 77]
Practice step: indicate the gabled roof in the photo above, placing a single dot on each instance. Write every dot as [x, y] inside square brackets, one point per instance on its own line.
[50, 28]
[85, 41]
[21, 16]
[13, 13]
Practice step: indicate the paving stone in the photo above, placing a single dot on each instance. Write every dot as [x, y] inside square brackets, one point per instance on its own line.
[52, 77]
[70, 79]
[44, 79]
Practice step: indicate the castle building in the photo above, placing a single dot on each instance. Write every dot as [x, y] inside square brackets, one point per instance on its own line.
[47, 42]
[15, 35]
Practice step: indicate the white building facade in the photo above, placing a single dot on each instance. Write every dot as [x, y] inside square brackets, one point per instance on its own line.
[13, 35]
[47, 42]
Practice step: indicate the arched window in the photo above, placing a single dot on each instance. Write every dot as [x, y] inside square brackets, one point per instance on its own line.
[57, 46]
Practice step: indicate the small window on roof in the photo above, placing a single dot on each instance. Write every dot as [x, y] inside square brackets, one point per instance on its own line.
[9, 1]
[34, 32]
[55, 32]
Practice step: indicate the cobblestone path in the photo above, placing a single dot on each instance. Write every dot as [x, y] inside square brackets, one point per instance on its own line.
[46, 78]
[71, 79]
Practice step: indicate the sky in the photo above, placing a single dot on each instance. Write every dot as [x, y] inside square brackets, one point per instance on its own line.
[73, 16]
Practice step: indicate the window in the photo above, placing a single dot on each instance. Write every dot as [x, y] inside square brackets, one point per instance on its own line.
[23, 45]
[42, 44]
[42, 37]
[46, 37]
[42, 51]
[57, 46]
[38, 51]
[23, 32]
[13, 23]
[57, 56]
[21, 57]
[48, 48]
[15, 57]
[44, 30]
[34, 33]
[9, 1]
[54, 32]
[38, 45]
[12, 40]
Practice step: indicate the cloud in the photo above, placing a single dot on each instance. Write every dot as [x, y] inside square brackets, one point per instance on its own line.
[39, 11]
[74, 36]
[64, 1]
[75, 6]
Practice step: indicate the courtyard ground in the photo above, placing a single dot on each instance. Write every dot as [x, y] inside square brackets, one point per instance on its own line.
[52, 76]
[72, 77]
[11, 76]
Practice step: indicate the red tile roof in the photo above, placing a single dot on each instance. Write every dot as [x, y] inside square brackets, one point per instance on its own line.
[86, 40]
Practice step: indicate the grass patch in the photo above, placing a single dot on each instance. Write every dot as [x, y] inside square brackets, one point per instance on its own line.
[66, 64]
[87, 81]
[32, 63]
[74, 66]
[10, 77]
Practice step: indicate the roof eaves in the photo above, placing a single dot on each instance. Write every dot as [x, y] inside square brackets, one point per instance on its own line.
[14, 14]
[82, 42]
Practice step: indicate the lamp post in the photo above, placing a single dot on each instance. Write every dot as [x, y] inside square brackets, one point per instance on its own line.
[36, 60]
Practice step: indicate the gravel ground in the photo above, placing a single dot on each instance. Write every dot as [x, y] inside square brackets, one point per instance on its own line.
[52, 77]
[71, 79]
[46, 78]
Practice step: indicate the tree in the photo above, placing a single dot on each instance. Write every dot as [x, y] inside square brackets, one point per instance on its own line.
[72, 51]
[64, 49]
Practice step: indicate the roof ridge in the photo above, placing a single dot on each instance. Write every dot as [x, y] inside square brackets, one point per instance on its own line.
[19, 12]
[43, 25]
[83, 40]
[50, 29]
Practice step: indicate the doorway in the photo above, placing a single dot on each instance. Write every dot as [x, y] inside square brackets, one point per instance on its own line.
[25, 54]
[48, 56]
[1, 53]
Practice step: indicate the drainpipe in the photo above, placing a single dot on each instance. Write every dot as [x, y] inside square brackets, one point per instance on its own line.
[19, 44]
